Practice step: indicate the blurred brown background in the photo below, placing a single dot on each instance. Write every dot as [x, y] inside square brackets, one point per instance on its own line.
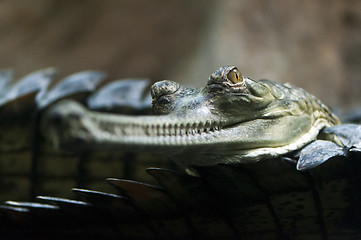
[313, 44]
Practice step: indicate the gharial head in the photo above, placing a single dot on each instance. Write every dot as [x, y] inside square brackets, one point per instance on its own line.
[228, 98]
[231, 119]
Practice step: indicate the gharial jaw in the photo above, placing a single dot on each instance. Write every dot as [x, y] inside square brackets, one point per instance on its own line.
[72, 127]
[233, 119]
[69, 122]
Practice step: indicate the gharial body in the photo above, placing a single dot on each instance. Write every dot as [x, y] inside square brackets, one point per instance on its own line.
[233, 119]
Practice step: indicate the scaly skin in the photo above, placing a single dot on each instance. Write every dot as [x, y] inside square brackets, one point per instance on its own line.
[233, 119]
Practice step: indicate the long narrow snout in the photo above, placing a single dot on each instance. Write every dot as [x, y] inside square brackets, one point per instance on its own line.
[72, 127]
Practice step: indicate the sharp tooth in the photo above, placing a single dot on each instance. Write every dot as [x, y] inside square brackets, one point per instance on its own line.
[194, 128]
[182, 131]
[188, 129]
[158, 129]
[169, 130]
[146, 130]
[164, 130]
[175, 130]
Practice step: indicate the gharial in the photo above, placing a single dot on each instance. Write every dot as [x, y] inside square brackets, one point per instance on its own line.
[246, 141]
[233, 119]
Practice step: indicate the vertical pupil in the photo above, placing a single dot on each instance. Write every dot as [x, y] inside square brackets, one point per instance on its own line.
[234, 76]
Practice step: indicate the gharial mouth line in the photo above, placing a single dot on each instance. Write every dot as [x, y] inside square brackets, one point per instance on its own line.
[161, 129]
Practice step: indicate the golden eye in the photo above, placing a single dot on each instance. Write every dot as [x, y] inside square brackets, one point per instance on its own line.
[235, 76]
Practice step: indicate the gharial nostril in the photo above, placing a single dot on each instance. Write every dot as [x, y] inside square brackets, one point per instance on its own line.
[164, 87]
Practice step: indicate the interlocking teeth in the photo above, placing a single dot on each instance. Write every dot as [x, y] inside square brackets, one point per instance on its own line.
[136, 129]
[199, 128]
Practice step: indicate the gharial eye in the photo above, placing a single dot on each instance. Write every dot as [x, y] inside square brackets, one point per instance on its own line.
[235, 76]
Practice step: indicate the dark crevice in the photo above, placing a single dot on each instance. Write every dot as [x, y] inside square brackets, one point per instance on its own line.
[129, 167]
[318, 204]
[35, 153]
[81, 170]
[195, 234]
[222, 211]
[269, 205]
[144, 216]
